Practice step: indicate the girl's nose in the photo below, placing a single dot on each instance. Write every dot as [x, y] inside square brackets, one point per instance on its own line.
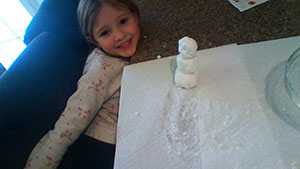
[119, 35]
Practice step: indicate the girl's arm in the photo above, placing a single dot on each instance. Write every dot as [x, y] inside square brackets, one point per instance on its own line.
[81, 108]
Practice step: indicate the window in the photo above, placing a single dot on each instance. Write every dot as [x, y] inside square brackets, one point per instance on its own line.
[31, 5]
[15, 16]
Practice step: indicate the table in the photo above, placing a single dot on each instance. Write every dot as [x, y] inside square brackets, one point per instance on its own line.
[232, 119]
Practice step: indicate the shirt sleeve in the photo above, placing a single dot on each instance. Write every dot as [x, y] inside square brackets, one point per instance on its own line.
[81, 108]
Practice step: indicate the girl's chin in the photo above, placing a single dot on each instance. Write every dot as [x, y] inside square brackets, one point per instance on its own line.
[128, 54]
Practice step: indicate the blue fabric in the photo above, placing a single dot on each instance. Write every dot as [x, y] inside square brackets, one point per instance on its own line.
[34, 91]
[88, 153]
[56, 16]
[2, 69]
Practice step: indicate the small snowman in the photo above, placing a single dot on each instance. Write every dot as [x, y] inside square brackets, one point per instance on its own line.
[186, 71]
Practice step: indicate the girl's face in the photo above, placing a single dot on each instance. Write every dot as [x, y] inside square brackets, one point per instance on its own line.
[116, 31]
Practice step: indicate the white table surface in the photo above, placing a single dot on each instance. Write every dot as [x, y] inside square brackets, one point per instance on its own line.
[230, 120]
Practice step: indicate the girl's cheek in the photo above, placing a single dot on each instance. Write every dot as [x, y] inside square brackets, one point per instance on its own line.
[111, 43]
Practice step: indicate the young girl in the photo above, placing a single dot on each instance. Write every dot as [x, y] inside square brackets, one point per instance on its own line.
[112, 27]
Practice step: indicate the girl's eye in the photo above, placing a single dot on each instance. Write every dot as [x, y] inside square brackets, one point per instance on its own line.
[104, 33]
[123, 21]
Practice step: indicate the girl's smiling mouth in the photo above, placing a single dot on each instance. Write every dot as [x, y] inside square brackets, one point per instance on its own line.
[126, 45]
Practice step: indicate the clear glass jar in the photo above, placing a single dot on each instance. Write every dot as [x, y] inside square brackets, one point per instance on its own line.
[292, 77]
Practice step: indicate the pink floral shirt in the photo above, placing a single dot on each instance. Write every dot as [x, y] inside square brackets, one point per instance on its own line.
[94, 106]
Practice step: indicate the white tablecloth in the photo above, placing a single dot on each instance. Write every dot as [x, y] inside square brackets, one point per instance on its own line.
[230, 120]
